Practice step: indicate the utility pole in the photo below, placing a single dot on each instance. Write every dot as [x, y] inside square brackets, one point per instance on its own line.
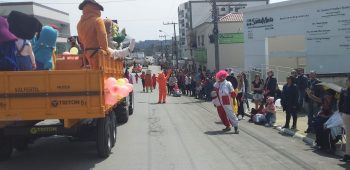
[175, 43]
[216, 34]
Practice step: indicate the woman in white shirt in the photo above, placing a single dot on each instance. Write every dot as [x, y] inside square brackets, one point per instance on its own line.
[24, 55]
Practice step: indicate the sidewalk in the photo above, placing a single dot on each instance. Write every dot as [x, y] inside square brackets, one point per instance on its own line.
[299, 133]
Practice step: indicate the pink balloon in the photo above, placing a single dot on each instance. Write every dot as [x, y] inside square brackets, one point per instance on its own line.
[126, 80]
[110, 99]
[66, 53]
[110, 82]
[114, 90]
[123, 91]
[130, 87]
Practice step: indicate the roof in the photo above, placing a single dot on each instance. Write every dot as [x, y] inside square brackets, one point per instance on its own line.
[232, 17]
[31, 3]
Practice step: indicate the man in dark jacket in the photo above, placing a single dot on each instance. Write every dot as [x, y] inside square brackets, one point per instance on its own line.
[290, 102]
[314, 107]
[270, 86]
[231, 78]
[301, 82]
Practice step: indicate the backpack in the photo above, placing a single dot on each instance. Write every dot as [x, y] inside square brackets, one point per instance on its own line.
[7, 57]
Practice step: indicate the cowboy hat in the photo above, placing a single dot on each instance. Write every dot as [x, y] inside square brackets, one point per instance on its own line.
[81, 6]
[5, 34]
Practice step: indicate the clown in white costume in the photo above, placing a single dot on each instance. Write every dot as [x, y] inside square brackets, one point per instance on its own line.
[226, 94]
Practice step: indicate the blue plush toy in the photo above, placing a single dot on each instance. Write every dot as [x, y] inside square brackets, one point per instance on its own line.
[43, 48]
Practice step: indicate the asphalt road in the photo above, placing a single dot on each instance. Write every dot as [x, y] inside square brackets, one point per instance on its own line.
[184, 134]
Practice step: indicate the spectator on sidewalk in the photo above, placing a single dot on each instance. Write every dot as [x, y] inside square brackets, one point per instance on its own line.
[231, 78]
[313, 106]
[344, 108]
[289, 102]
[172, 81]
[328, 105]
[301, 82]
[193, 86]
[257, 88]
[246, 87]
[240, 97]
[188, 84]
[270, 112]
[270, 86]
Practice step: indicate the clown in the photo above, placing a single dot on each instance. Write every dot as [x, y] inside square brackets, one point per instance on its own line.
[162, 80]
[225, 94]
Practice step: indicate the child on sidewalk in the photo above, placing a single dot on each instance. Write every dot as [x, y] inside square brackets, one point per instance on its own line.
[270, 112]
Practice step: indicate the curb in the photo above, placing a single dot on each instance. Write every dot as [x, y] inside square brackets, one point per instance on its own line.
[307, 140]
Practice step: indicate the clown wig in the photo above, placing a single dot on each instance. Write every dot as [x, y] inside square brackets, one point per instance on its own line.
[221, 74]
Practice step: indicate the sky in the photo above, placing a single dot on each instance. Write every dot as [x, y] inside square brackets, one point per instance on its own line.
[142, 18]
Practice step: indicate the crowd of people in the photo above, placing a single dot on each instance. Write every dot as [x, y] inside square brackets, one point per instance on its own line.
[301, 93]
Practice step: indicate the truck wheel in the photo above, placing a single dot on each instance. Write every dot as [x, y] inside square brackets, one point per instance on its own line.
[6, 148]
[131, 103]
[113, 128]
[104, 144]
[122, 114]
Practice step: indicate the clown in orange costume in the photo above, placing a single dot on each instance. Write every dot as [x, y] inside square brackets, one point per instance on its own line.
[162, 79]
[225, 94]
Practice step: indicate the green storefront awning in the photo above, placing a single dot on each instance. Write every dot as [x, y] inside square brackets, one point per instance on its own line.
[231, 38]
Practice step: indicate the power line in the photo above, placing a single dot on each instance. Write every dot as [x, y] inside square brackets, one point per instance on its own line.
[175, 44]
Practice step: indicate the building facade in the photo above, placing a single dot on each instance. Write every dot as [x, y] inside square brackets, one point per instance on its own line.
[312, 34]
[196, 12]
[230, 44]
[46, 15]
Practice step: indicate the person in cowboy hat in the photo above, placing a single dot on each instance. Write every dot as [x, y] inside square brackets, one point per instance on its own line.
[92, 32]
[7, 47]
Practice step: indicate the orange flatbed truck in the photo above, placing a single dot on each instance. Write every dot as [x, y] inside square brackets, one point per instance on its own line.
[72, 96]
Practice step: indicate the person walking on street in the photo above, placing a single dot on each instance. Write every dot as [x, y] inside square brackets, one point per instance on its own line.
[226, 94]
[290, 102]
[313, 106]
[137, 78]
[143, 78]
[344, 108]
[154, 81]
[270, 86]
[162, 85]
[148, 81]
[240, 96]
[257, 88]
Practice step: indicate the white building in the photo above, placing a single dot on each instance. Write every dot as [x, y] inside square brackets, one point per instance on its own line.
[314, 34]
[230, 44]
[196, 12]
[46, 15]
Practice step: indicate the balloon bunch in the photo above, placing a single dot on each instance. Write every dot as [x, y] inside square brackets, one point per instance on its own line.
[116, 90]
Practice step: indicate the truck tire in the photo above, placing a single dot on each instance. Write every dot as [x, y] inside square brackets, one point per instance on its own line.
[131, 103]
[113, 128]
[6, 147]
[103, 142]
[122, 113]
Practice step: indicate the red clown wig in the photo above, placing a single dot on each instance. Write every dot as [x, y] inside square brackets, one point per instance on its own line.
[221, 74]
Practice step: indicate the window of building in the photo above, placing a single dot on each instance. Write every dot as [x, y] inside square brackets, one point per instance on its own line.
[199, 41]
[231, 9]
[223, 9]
[202, 41]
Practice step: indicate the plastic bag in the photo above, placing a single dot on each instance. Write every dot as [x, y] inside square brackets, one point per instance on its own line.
[334, 121]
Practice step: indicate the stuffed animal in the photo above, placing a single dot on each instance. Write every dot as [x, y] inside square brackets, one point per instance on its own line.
[43, 47]
[23, 26]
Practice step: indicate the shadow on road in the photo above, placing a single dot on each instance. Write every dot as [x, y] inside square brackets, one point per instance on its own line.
[55, 153]
[218, 132]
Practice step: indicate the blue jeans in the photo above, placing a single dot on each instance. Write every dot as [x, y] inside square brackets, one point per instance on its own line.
[270, 118]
